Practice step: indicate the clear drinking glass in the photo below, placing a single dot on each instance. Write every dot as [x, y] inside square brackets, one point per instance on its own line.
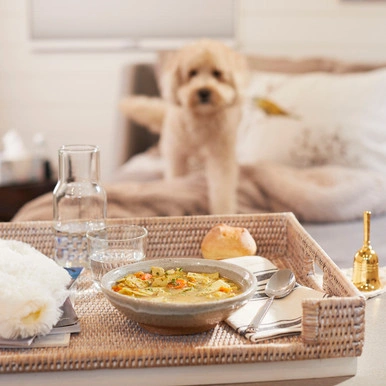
[114, 246]
[79, 203]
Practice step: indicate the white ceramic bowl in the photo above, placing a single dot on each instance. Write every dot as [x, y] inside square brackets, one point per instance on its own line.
[180, 318]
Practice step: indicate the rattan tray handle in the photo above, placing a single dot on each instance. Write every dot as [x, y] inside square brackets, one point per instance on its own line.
[339, 316]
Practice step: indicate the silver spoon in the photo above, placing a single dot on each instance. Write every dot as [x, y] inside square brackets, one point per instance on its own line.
[278, 286]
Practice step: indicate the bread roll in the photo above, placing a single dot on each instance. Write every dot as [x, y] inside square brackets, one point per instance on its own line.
[224, 241]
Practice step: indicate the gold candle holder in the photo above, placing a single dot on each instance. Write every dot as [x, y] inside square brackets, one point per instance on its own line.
[366, 272]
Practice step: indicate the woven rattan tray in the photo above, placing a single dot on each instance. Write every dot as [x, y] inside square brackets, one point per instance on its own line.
[332, 327]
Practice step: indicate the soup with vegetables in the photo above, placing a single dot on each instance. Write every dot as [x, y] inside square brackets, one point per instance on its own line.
[176, 285]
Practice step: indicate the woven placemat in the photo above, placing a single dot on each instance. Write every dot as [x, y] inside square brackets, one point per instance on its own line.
[332, 327]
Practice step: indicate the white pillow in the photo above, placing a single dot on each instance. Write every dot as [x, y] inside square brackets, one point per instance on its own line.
[332, 119]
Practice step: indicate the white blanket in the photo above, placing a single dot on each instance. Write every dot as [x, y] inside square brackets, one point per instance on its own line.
[326, 193]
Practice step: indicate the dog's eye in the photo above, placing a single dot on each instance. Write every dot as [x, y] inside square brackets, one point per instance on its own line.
[192, 73]
[217, 74]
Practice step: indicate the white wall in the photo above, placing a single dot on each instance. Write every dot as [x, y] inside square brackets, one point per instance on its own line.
[338, 28]
[72, 97]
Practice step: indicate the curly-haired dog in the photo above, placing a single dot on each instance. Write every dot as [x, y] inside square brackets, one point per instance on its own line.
[198, 116]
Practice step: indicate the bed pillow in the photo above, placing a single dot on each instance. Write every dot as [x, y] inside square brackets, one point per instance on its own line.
[315, 118]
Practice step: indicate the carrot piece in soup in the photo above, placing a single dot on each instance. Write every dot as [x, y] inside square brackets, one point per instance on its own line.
[146, 276]
[177, 283]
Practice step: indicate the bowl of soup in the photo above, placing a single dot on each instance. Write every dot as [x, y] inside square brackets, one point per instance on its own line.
[176, 296]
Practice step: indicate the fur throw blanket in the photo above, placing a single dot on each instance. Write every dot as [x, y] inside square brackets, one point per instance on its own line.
[32, 290]
[314, 194]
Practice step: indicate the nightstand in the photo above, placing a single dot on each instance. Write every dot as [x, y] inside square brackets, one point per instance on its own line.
[14, 196]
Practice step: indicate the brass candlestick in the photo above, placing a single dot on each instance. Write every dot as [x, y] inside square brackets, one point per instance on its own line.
[365, 273]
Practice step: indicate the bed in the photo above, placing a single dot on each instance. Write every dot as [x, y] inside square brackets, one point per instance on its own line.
[323, 158]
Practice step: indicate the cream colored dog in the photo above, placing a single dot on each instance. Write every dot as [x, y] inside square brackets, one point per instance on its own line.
[198, 116]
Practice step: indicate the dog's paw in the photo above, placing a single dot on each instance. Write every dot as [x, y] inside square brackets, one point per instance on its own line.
[146, 111]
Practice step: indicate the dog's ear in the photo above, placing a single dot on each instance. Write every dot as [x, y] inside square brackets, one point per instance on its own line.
[241, 72]
[170, 78]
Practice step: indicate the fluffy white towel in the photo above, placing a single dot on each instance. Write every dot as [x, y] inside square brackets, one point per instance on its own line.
[32, 290]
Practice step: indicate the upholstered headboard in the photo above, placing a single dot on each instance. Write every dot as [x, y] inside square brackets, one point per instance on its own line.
[143, 82]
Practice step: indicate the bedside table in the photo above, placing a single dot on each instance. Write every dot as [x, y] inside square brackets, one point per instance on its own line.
[14, 196]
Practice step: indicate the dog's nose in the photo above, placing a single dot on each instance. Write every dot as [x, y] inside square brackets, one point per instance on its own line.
[204, 95]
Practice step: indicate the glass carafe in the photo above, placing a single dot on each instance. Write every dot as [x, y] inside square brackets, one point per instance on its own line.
[79, 203]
